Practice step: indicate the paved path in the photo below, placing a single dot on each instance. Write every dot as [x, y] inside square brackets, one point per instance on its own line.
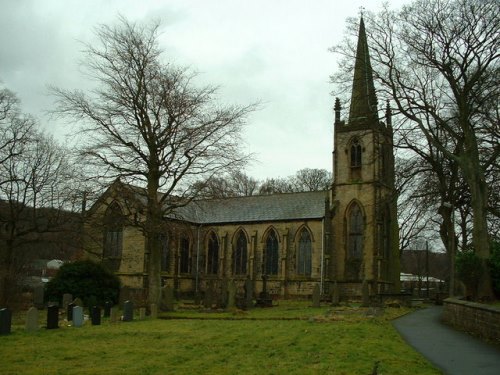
[454, 352]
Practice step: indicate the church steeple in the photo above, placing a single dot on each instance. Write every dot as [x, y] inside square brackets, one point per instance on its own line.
[363, 110]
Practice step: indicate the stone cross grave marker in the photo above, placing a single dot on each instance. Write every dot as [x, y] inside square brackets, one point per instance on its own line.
[128, 311]
[66, 300]
[316, 296]
[5, 321]
[32, 320]
[52, 317]
[77, 316]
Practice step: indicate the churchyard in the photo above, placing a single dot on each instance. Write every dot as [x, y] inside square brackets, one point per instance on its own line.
[292, 337]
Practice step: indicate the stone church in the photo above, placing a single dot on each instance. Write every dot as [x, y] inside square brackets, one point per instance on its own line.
[347, 235]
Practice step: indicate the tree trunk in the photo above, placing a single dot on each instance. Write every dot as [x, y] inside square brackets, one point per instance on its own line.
[476, 180]
[153, 249]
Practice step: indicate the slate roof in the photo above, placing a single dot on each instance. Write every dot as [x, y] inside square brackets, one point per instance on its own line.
[276, 207]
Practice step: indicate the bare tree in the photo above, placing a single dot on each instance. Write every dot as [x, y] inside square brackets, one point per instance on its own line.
[438, 61]
[307, 179]
[147, 123]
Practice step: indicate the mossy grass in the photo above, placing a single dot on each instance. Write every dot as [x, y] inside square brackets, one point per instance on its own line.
[291, 338]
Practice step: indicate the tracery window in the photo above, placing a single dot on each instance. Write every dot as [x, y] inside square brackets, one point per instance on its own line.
[184, 265]
[271, 254]
[304, 256]
[240, 255]
[356, 154]
[113, 232]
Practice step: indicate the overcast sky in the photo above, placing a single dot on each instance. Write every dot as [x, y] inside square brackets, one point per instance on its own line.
[274, 51]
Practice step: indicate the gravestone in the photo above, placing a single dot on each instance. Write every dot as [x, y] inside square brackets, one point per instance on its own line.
[335, 294]
[66, 300]
[264, 299]
[128, 311]
[154, 311]
[107, 308]
[95, 316]
[248, 293]
[69, 311]
[32, 320]
[167, 298]
[209, 295]
[316, 296]
[77, 316]
[78, 302]
[38, 296]
[52, 317]
[142, 313]
[91, 302]
[114, 314]
[5, 321]
[365, 292]
[231, 295]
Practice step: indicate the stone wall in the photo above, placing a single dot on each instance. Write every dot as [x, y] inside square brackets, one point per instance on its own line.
[478, 319]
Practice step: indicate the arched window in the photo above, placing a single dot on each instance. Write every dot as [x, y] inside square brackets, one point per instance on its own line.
[213, 254]
[271, 254]
[184, 265]
[240, 255]
[113, 232]
[355, 154]
[355, 227]
[165, 253]
[355, 232]
[304, 265]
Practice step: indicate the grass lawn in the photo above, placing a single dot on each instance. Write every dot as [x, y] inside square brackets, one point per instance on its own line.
[288, 339]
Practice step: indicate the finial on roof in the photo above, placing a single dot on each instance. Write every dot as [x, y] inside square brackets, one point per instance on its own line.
[388, 114]
[337, 109]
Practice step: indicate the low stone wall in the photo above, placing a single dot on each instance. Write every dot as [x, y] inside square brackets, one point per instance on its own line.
[476, 318]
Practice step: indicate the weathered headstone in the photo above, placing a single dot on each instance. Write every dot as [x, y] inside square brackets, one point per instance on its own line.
[32, 320]
[107, 308]
[67, 299]
[5, 321]
[142, 313]
[52, 317]
[114, 314]
[154, 311]
[69, 311]
[248, 293]
[78, 302]
[209, 295]
[167, 298]
[316, 296]
[335, 294]
[365, 292]
[231, 295]
[128, 311]
[95, 316]
[38, 296]
[77, 316]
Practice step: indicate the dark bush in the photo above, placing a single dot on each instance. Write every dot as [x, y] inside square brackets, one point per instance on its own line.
[469, 270]
[86, 280]
[494, 264]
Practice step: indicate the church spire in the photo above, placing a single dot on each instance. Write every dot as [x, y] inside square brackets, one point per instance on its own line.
[363, 110]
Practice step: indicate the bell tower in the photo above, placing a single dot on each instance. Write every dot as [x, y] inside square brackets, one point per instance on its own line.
[364, 224]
